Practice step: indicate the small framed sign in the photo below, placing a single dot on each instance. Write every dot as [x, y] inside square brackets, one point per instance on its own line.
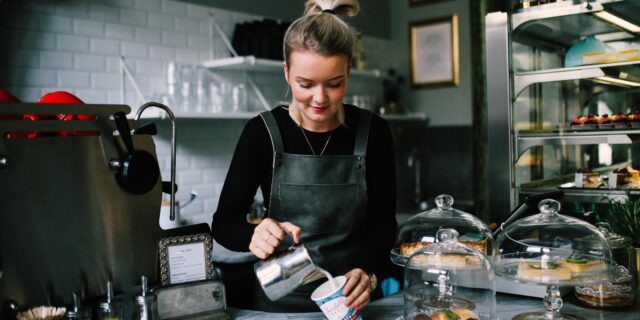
[186, 258]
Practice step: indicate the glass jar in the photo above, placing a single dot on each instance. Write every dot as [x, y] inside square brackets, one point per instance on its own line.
[145, 308]
[621, 290]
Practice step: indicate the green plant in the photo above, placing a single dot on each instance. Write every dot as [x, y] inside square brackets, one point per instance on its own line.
[624, 217]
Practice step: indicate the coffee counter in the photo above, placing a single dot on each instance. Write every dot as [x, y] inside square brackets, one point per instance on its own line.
[507, 306]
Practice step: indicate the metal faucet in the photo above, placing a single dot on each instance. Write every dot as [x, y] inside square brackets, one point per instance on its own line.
[172, 212]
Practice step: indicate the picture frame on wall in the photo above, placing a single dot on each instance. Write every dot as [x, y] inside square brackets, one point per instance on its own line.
[434, 52]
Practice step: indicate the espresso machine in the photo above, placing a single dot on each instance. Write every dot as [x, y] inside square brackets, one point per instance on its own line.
[79, 203]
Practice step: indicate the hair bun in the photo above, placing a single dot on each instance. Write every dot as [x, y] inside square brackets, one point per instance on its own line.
[348, 8]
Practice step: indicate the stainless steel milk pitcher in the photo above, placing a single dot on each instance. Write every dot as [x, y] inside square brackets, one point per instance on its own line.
[281, 274]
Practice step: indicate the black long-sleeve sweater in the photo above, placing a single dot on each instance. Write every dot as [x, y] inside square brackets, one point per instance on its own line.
[251, 168]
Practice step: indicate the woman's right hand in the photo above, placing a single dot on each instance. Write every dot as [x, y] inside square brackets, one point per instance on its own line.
[268, 234]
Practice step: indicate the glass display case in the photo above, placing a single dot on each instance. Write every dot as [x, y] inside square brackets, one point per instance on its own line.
[553, 250]
[563, 92]
[422, 229]
[449, 280]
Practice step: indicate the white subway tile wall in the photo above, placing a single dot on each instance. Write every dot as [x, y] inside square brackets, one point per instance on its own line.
[76, 45]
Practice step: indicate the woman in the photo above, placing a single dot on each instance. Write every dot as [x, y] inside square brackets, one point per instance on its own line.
[326, 169]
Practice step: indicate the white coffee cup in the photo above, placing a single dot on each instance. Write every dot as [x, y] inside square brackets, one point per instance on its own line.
[330, 299]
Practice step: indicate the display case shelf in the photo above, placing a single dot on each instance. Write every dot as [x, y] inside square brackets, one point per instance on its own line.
[562, 24]
[246, 63]
[629, 69]
[527, 140]
[600, 195]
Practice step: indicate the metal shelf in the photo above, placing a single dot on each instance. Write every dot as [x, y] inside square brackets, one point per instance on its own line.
[562, 24]
[251, 63]
[532, 139]
[600, 195]
[525, 79]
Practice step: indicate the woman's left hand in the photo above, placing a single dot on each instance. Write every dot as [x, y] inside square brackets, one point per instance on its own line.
[358, 289]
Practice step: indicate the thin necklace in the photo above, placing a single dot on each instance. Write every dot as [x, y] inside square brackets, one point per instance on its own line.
[309, 143]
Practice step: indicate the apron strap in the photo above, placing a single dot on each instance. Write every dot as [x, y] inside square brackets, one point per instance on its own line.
[362, 136]
[274, 132]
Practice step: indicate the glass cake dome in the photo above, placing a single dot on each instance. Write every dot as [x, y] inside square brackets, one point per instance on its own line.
[448, 280]
[546, 249]
[421, 229]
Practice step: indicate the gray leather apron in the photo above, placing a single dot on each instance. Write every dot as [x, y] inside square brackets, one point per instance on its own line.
[326, 196]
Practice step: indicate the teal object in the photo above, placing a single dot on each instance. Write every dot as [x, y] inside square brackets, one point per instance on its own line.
[588, 44]
[389, 286]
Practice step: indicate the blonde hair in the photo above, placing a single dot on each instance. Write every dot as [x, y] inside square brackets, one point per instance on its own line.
[322, 31]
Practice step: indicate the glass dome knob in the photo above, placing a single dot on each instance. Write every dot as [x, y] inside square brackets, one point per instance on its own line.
[549, 206]
[447, 235]
[444, 201]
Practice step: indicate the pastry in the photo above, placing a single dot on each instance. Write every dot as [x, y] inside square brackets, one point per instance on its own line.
[634, 119]
[536, 271]
[409, 248]
[446, 260]
[579, 265]
[478, 245]
[586, 178]
[460, 314]
[620, 120]
[591, 123]
[626, 177]
[605, 122]
[465, 314]
[578, 122]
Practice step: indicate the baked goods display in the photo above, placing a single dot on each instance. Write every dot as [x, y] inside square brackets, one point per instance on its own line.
[447, 274]
[621, 121]
[586, 178]
[617, 293]
[407, 249]
[553, 250]
[605, 121]
[543, 272]
[560, 269]
[625, 178]
[459, 314]
[580, 265]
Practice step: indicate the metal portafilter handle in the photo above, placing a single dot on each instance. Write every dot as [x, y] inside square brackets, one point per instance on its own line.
[529, 202]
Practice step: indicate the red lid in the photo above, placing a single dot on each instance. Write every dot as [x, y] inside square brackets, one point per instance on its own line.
[61, 97]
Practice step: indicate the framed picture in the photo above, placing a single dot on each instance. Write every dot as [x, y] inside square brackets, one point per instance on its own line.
[434, 52]
[186, 258]
[419, 2]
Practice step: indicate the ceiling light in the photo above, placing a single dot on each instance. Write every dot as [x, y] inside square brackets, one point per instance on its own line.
[616, 81]
[613, 19]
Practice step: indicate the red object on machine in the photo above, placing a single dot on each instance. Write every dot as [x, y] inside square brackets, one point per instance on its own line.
[7, 97]
[63, 97]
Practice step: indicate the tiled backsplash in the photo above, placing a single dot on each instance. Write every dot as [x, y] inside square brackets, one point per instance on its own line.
[76, 46]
